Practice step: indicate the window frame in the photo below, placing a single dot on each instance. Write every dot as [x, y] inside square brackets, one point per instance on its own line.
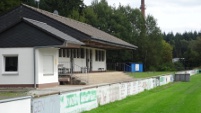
[4, 64]
[100, 55]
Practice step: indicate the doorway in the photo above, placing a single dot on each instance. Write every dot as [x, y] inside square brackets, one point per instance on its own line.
[71, 60]
[89, 60]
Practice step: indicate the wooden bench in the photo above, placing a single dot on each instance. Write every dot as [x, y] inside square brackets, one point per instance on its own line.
[100, 69]
[64, 79]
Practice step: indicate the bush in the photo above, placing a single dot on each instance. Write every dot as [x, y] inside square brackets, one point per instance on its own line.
[167, 67]
[178, 66]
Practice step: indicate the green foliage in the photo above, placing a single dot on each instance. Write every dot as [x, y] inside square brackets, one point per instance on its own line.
[129, 25]
[169, 66]
[178, 66]
[178, 97]
[187, 46]
[167, 52]
[6, 5]
[193, 54]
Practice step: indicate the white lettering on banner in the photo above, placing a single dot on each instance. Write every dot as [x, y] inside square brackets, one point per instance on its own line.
[69, 102]
[87, 96]
[79, 101]
[88, 99]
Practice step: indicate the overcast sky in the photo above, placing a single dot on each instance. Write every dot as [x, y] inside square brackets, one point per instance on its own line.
[172, 15]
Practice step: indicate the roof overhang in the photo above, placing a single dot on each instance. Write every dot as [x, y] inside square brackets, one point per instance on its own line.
[106, 45]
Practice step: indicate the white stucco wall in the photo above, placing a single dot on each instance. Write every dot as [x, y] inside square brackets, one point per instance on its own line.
[25, 66]
[41, 77]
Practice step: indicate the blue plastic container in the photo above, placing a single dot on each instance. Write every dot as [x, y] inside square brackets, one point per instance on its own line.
[136, 67]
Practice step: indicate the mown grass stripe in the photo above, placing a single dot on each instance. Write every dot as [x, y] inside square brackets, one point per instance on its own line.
[178, 97]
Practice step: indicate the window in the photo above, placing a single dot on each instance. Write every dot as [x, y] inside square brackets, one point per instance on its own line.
[60, 52]
[68, 53]
[11, 63]
[100, 55]
[97, 55]
[64, 52]
[103, 56]
[78, 53]
[82, 52]
[75, 53]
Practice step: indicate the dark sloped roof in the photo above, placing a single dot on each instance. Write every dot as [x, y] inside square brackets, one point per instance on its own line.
[93, 32]
[23, 34]
[53, 31]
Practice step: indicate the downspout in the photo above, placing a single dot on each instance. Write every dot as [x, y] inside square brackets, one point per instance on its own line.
[34, 60]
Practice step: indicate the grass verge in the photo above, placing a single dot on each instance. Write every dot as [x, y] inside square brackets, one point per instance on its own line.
[147, 74]
[179, 97]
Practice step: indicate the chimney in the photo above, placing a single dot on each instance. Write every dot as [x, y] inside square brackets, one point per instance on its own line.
[142, 7]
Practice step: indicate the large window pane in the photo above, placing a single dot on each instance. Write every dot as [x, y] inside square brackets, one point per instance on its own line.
[11, 63]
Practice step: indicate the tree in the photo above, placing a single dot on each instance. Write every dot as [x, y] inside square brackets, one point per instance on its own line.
[193, 54]
[167, 52]
[129, 25]
[6, 5]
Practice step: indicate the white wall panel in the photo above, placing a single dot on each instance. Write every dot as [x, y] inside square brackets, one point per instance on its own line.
[15, 105]
[25, 66]
[114, 92]
[103, 95]
[47, 104]
[123, 90]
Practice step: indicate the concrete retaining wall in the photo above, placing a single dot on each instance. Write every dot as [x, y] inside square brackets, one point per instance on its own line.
[80, 100]
[16, 105]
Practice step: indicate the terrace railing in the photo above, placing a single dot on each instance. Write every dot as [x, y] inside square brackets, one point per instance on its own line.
[119, 67]
[75, 71]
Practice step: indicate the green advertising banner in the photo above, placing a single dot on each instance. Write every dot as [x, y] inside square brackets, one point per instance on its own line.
[69, 102]
[79, 101]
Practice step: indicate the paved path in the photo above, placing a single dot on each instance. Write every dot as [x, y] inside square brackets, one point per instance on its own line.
[95, 79]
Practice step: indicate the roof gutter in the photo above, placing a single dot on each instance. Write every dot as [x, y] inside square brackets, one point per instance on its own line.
[34, 60]
[115, 44]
